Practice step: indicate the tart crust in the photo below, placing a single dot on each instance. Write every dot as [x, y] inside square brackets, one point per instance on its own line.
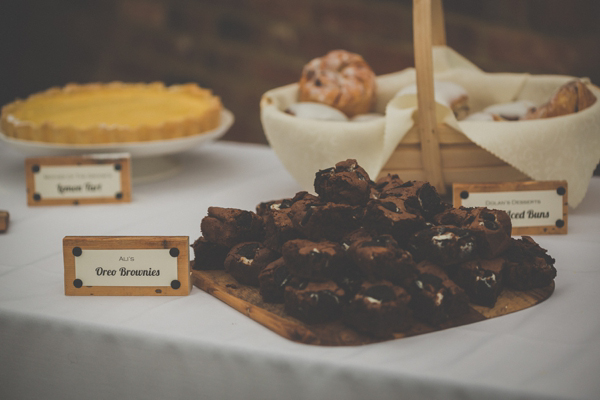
[120, 112]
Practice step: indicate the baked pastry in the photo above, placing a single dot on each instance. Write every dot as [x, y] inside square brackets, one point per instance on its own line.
[230, 226]
[328, 221]
[528, 265]
[390, 180]
[491, 229]
[274, 205]
[392, 216]
[450, 94]
[379, 308]
[418, 195]
[279, 229]
[272, 281]
[114, 112]
[380, 257]
[434, 297]
[318, 261]
[443, 245]
[481, 279]
[208, 255]
[313, 302]
[346, 183]
[340, 79]
[570, 98]
[246, 260]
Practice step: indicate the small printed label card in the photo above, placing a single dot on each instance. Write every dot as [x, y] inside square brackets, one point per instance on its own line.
[535, 207]
[87, 179]
[127, 265]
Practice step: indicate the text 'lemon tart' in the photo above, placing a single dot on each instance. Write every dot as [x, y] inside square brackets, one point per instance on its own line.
[115, 112]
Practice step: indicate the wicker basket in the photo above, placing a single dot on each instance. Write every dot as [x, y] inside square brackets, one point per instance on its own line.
[433, 147]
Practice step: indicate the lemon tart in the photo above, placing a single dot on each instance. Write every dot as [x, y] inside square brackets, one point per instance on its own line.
[114, 112]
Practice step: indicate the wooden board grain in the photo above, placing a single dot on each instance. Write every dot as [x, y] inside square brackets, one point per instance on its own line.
[248, 301]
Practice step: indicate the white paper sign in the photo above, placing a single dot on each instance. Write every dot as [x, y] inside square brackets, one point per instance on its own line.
[79, 181]
[127, 265]
[74, 180]
[532, 208]
[148, 267]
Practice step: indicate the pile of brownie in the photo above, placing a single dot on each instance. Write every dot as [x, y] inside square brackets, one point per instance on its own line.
[373, 254]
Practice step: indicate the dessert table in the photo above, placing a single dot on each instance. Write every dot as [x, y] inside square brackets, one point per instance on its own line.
[54, 346]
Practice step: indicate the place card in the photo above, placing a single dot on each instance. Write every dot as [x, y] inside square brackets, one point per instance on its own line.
[73, 180]
[127, 265]
[535, 207]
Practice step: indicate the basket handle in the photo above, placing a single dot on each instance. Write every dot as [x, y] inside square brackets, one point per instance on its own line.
[425, 14]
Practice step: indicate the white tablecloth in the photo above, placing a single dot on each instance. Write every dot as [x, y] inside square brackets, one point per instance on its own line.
[54, 346]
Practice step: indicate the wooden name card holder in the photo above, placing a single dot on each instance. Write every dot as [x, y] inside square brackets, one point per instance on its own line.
[4, 217]
[535, 207]
[127, 265]
[73, 180]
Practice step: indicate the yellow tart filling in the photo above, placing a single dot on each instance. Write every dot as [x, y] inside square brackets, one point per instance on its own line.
[97, 113]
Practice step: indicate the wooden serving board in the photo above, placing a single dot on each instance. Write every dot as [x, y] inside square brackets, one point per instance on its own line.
[247, 300]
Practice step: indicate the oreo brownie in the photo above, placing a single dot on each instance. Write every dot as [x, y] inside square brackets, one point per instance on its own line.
[389, 180]
[317, 261]
[528, 265]
[350, 238]
[329, 221]
[391, 216]
[279, 228]
[491, 229]
[444, 245]
[379, 257]
[434, 297]
[418, 195]
[272, 281]
[379, 309]
[230, 226]
[452, 216]
[274, 205]
[481, 279]
[346, 183]
[208, 255]
[313, 302]
[246, 260]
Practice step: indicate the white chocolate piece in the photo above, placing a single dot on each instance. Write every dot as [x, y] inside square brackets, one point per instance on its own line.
[317, 111]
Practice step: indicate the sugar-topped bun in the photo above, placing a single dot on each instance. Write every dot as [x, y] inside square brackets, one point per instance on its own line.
[570, 98]
[340, 79]
[310, 110]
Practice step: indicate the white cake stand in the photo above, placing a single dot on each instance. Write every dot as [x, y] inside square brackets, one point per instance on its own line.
[151, 160]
